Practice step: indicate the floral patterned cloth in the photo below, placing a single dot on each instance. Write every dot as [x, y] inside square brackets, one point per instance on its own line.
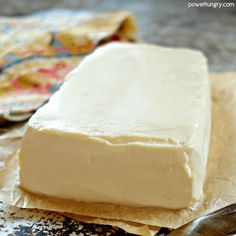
[37, 51]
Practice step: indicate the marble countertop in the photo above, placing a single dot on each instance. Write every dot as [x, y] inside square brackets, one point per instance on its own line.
[24, 222]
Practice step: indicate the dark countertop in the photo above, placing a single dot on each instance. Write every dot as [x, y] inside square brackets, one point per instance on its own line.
[24, 222]
[164, 22]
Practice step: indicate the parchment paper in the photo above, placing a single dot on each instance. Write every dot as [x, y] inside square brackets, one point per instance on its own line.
[219, 190]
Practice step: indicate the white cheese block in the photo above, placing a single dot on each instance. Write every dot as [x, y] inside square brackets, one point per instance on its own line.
[130, 126]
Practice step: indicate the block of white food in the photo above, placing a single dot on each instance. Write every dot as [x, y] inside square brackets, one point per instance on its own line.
[130, 126]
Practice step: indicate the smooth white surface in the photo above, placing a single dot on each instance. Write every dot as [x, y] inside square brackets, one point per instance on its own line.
[129, 126]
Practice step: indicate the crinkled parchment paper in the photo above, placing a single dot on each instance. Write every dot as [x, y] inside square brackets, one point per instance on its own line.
[220, 185]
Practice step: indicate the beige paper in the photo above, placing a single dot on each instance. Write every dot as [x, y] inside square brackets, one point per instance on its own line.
[10, 140]
[220, 186]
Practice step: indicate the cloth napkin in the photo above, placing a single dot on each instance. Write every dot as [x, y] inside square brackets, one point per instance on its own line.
[38, 50]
